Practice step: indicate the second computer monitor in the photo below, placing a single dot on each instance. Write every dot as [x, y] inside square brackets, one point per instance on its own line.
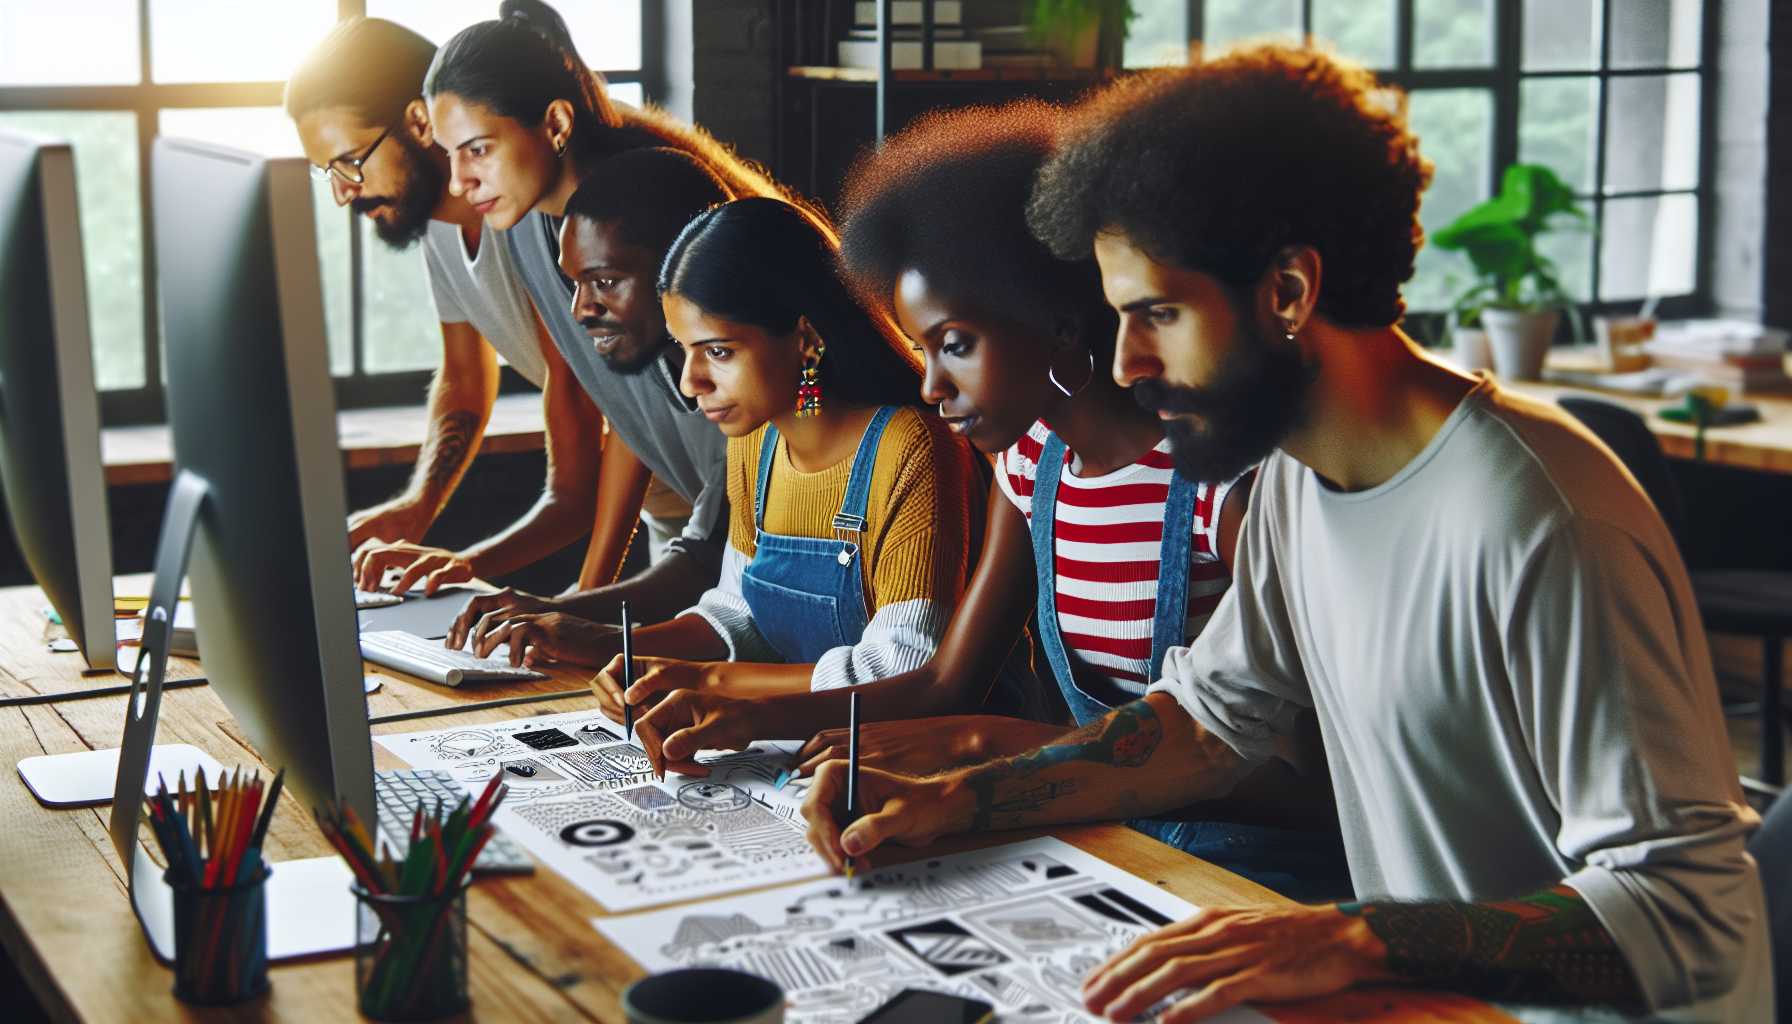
[253, 413]
[49, 411]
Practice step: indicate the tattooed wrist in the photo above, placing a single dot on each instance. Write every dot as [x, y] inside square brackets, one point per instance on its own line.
[1010, 793]
[1548, 947]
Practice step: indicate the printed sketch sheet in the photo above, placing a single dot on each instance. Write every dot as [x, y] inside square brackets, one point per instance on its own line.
[1019, 926]
[585, 803]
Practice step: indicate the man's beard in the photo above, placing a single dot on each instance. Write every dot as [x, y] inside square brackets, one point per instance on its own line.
[416, 199]
[618, 360]
[1258, 399]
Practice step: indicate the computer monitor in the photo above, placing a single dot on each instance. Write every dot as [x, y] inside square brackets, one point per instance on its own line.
[256, 515]
[50, 467]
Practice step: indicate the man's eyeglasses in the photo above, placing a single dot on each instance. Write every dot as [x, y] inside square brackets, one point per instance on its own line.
[348, 168]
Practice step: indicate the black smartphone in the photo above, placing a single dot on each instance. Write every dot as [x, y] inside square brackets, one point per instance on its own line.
[917, 1006]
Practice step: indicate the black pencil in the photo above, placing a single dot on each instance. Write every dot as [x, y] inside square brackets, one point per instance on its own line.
[852, 766]
[628, 674]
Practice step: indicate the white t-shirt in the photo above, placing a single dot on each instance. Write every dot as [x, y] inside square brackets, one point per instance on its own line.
[486, 292]
[1513, 684]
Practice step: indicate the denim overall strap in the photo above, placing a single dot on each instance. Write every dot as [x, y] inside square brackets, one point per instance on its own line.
[807, 594]
[1172, 587]
[853, 505]
[1083, 707]
[768, 451]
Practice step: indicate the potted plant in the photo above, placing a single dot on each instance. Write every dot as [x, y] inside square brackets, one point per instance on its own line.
[1518, 298]
[1084, 33]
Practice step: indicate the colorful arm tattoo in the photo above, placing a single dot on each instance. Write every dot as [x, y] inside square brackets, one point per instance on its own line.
[1548, 947]
[1008, 791]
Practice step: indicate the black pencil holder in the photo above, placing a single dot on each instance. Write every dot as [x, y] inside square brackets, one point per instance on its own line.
[220, 939]
[410, 955]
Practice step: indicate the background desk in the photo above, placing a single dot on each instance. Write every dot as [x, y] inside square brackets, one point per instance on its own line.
[66, 922]
[369, 438]
[1765, 446]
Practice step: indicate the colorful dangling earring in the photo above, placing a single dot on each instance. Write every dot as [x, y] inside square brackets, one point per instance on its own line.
[808, 393]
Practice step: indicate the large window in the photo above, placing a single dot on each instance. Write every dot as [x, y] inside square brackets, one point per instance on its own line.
[110, 75]
[1608, 93]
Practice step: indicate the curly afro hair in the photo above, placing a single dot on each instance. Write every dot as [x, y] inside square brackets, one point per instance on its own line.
[1218, 166]
[948, 196]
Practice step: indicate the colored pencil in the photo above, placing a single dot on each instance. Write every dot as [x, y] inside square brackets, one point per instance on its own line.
[445, 843]
[211, 837]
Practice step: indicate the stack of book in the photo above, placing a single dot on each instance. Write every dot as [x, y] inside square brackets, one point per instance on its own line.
[953, 49]
[1747, 358]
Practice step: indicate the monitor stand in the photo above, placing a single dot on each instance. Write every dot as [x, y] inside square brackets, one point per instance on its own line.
[90, 777]
[310, 907]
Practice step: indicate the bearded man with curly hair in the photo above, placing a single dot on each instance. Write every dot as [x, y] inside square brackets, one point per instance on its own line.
[1482, 607]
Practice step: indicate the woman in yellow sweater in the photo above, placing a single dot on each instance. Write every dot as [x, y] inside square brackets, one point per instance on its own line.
[851, 509]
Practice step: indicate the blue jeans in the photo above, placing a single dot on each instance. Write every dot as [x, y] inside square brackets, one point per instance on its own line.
[1305, 866]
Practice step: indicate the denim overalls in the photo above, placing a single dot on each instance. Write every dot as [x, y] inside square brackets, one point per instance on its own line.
[807, 594]
[1296, 863]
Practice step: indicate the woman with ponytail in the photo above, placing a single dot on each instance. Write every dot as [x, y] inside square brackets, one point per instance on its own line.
[523, 118]
[524, 122]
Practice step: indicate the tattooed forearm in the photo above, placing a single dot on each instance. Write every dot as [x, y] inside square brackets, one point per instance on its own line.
[1010, 790]
[1546, 948]
[451, 443]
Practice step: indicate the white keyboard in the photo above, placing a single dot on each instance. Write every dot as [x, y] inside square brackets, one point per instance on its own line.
[401, 792]
[375, 599]
[428, 659]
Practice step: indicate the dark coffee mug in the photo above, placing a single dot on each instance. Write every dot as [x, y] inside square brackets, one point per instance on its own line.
[703, 995]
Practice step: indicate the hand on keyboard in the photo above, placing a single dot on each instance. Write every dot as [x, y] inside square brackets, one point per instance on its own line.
[432, 567]
[547, 637]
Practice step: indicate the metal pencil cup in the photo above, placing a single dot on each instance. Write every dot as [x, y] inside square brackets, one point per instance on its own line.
[220, 940]
[411, 955]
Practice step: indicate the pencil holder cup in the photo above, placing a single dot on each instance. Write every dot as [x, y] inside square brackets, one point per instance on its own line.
[220, 939]
[410, 955]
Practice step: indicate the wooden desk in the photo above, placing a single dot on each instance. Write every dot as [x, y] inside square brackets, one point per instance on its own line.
[1764, 446]
[369, 438]
[66, 921]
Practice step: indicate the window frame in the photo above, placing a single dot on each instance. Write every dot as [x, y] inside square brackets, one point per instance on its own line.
[1505, 76]
[147, 98]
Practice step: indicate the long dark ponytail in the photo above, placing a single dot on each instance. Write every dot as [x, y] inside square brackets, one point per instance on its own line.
[518, 65]
[767, 263]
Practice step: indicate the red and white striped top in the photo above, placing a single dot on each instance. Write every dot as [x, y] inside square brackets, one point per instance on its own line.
[1109, 534]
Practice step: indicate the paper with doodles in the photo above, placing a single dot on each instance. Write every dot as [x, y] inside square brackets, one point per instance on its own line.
[585, 804]
[1019, 926]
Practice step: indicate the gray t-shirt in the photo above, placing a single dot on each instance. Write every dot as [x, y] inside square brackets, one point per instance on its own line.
[674, 440]
[485, 292]
[1514, 688]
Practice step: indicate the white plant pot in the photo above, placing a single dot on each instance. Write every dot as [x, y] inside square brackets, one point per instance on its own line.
[1520, 340]
[1468, 348]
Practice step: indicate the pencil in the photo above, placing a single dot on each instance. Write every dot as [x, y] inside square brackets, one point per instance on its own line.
[852, 767]
[628, 674]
